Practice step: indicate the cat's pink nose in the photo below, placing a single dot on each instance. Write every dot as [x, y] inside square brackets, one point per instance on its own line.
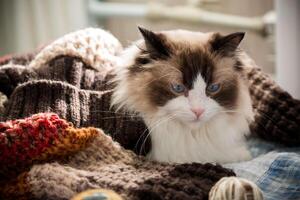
[198, 111]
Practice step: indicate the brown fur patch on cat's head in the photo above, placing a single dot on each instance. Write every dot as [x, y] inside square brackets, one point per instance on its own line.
[179, 57]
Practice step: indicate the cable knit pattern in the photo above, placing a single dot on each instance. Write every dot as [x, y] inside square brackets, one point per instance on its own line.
[96, 47]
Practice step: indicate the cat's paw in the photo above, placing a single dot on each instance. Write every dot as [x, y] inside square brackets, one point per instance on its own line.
[235, 188]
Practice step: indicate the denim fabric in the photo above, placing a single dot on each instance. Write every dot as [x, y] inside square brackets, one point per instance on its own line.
[274, 168]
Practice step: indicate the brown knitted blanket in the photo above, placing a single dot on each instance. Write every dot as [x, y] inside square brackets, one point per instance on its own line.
[70, 77]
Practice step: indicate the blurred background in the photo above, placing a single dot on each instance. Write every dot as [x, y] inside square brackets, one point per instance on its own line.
[272, 26]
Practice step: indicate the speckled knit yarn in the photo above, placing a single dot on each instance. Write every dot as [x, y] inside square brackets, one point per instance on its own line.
[78, 159]
[38, 138]
[96, 47]
[27, 138]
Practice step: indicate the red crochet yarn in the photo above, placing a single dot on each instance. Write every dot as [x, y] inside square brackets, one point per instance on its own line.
[24, 139]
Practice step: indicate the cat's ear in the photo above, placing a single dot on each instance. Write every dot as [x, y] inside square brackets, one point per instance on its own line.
[155, 43]
[228, 43]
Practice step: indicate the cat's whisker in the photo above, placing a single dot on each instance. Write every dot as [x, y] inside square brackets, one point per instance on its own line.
[107, 111]
[231, 111]
[262, 114]
[114, 117]
[148, 83]
[143, 134]
[143, 143]
[151, 130]
[113, 112]
[266, 116]
[157, 123]
[175, 69]
[136, 145]
[262, 126]
[122, 115]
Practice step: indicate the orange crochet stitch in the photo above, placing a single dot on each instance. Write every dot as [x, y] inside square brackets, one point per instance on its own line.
[37, 138]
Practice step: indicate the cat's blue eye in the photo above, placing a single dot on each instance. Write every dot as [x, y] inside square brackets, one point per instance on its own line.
[213, 87]
[177, 88]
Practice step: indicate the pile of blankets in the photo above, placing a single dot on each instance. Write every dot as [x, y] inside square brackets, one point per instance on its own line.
[58, 135]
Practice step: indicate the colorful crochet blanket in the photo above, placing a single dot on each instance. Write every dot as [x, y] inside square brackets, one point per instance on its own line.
[78, 159]
[52, 156]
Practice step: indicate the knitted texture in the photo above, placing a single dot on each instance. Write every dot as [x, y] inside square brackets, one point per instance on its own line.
[96, 47]
[100, 163]
[38, 138]
[29, 137]
[3, 99]
[75, 92]
[73, 83]
[10, 76]
[21, 59]
[16, 188]
[277, 113]
[91, 108]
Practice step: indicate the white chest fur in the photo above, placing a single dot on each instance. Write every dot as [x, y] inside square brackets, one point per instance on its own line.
[220, 141]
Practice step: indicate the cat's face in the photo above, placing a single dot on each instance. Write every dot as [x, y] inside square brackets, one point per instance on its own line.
[187, 76]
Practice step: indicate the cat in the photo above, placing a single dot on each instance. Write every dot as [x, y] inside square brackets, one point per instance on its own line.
[188, 89]
[190, 92]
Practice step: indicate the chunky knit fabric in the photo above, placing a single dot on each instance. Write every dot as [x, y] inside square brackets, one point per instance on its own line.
[81, 94]
[29, 137]
[96, 47]
[41, 137]
[61, 80]
[87, 158]
[73, 90]
[277, 113]
[3, 99]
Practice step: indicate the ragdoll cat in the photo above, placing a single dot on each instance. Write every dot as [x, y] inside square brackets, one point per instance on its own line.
[188, 89]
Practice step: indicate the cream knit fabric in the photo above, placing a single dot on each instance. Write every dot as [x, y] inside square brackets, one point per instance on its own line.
[3, 98]
[96, 47]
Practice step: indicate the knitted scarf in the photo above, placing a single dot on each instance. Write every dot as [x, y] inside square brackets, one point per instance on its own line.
[70, 78]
